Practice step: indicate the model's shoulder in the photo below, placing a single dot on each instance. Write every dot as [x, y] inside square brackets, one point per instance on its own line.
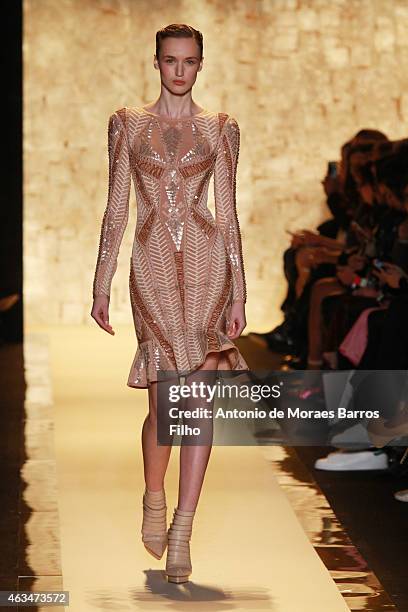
[117, 119]
[135, 112]
[131, 118]
[129, 112]
[226, 121]
[215, 115]
[231, 122]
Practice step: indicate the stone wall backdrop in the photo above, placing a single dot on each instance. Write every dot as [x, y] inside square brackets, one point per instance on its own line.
[300, 76]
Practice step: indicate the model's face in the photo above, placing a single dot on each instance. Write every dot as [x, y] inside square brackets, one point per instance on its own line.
[178, 62]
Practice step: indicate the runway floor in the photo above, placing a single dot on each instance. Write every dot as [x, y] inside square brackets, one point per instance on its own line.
[256, 542]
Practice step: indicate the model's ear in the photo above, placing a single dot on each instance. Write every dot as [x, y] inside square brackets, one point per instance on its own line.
[200, 65]
[156, 62]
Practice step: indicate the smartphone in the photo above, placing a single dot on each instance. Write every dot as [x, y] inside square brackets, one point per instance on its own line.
[332, 169]
[379, 265]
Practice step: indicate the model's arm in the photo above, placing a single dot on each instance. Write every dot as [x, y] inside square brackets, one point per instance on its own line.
[225, 203]
[116, 213]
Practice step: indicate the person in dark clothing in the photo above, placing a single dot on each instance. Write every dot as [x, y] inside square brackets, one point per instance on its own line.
[312, 256]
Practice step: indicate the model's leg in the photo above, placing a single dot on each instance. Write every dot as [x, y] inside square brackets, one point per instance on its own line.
[194, 458]
[155, 458]
[193, 464]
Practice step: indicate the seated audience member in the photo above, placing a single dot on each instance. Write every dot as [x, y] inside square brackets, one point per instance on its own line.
[313, 255]
[384, 347]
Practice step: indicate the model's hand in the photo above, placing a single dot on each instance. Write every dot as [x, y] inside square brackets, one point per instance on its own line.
[236, 322]
[100, 312]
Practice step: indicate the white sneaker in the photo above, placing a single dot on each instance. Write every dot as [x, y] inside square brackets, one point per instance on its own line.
[361, 460]
[402, 495]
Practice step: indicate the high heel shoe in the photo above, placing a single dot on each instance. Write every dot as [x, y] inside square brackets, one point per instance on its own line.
[154, 526]
[178, 563]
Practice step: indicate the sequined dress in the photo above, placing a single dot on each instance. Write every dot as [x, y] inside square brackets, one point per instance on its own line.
[186, 266]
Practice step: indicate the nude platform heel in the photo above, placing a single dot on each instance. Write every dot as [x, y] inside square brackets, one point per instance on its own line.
[178, 563]
[154, 526]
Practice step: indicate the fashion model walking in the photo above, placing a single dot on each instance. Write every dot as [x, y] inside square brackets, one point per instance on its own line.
[187, 283]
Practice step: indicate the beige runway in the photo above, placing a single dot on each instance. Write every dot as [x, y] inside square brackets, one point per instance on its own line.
[248, 549]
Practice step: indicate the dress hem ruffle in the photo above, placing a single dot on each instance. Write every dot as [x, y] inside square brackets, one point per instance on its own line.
[141, 377]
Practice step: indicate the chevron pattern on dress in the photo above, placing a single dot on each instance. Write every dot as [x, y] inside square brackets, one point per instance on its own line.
[228, 158]
[201, 186]
[222, 117]
[178, 259]
[116, 212]
[198, 167]
[199, 148]
[150, 168]
[186, 265]
[220, 306]
[116, 154]
[146, 148]
[144, 233]
[209, 126]
[208, 229]
[122, 114]
[152, 186]
[226, 214]
[161, 261]
[149, 319]
[213, 341]
[143, 277]
[140, 185]
[196, 248]
[215, 271]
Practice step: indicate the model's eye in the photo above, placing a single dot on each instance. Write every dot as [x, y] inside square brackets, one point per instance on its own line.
[190, 62]
[169, 61]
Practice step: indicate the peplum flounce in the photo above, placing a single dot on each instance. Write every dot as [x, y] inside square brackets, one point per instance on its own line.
[193, 345]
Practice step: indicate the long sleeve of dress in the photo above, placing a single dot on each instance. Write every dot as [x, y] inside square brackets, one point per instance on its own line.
[117, 209]
[225, 203]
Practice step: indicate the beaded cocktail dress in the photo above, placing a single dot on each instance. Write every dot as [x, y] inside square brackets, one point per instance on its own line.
[186, 267]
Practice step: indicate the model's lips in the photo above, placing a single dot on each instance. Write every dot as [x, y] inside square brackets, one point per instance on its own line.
[179, 82]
